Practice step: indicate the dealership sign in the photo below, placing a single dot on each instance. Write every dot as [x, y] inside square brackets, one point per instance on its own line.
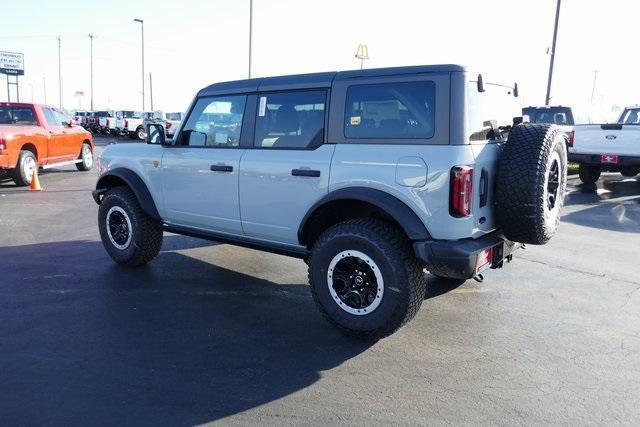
[12, 63]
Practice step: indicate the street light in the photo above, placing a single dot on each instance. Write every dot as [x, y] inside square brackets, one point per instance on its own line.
[91, 66]
[250, 32]
[142, 32]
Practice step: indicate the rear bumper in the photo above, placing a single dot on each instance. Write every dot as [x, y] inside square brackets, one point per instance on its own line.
[594, 159]
[458, 259]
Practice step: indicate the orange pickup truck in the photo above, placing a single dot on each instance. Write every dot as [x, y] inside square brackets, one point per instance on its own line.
[34, 135]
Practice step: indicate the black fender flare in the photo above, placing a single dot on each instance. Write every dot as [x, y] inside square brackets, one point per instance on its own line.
[394, 207]
[135, 183]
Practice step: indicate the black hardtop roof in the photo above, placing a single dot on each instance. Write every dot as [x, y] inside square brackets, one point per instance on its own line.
[302, 81]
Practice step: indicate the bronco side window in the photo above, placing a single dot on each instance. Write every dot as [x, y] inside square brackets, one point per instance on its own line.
[214, 122]
[390, 111]
[290, 119]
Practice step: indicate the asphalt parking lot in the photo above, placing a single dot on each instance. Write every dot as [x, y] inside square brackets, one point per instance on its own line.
[212, 332]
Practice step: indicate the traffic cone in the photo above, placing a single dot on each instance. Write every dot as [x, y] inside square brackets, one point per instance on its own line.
[35, 182]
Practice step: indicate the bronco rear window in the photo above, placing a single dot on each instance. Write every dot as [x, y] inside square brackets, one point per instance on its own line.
[17, 115]
[390, 111]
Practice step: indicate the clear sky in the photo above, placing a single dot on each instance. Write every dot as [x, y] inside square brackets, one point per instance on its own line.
[190, 44]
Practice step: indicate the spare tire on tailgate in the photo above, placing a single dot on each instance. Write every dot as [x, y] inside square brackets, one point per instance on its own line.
[532, 177]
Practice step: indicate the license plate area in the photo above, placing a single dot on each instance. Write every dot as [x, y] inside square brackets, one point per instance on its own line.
[609, 159]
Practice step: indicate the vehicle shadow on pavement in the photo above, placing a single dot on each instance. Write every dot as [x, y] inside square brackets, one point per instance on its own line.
[179, 341]
[607, 212]
[437, 286]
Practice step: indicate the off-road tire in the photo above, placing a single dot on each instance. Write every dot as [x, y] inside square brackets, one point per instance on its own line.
[85, 165]
[522, 187]
[403, 276]
[19, 174]
[589, 174]
[146, 232]
[629, 172]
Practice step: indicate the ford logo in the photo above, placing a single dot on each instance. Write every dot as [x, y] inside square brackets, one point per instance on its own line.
[610, 137]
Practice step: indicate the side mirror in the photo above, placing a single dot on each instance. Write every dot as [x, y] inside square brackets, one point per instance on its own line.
[155, 134]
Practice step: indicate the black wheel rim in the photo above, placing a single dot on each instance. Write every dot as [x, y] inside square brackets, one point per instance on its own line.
[553, 184]
[355, 283]
[119, 228]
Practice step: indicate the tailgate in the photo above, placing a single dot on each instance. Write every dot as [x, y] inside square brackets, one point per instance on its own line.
[621, 140]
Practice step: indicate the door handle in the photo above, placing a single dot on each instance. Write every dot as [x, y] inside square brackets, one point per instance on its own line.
[305, 172]
[222, 168]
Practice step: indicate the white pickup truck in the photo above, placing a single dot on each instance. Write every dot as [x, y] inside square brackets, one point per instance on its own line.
[610, 147]
[172, 121]
[106, 121]
[131, 123]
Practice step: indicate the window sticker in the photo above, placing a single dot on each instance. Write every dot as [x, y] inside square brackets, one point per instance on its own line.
[263, 106]
[355, 120]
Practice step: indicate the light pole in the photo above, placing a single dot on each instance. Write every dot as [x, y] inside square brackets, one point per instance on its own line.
[91, 65]
[60, 71]
[553, 54]
[250, 32]
[44, 89]
[142, 32]
[593, 88]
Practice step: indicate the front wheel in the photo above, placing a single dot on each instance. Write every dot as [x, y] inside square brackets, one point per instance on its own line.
[365, 279]
[129, 235]
[86, 157]
[589, 174]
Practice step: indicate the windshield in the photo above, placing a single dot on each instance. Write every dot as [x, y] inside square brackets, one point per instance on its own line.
[553, 115]
[630, 116]
[152, 115]
[17, 116]
[102, 114]
[131, 114]
[174, 116]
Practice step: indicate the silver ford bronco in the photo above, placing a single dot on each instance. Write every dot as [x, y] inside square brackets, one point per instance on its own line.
[372, 177]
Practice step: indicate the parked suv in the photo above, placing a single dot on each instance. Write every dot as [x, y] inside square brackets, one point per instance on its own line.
[370, 176]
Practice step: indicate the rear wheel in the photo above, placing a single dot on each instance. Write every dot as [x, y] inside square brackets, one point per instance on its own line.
[23, 172]
[129, 235]
[86, 155]
[140, 134]
[365, 279]
[589, 174]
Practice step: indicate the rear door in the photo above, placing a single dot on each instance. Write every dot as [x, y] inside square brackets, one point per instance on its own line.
[200, 172]
[286, 170]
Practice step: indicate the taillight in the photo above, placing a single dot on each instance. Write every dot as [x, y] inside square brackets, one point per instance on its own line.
[571, 136]
[3, 144]
[126, 124]
[107, 122]
[167, 124]
[461, 191]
